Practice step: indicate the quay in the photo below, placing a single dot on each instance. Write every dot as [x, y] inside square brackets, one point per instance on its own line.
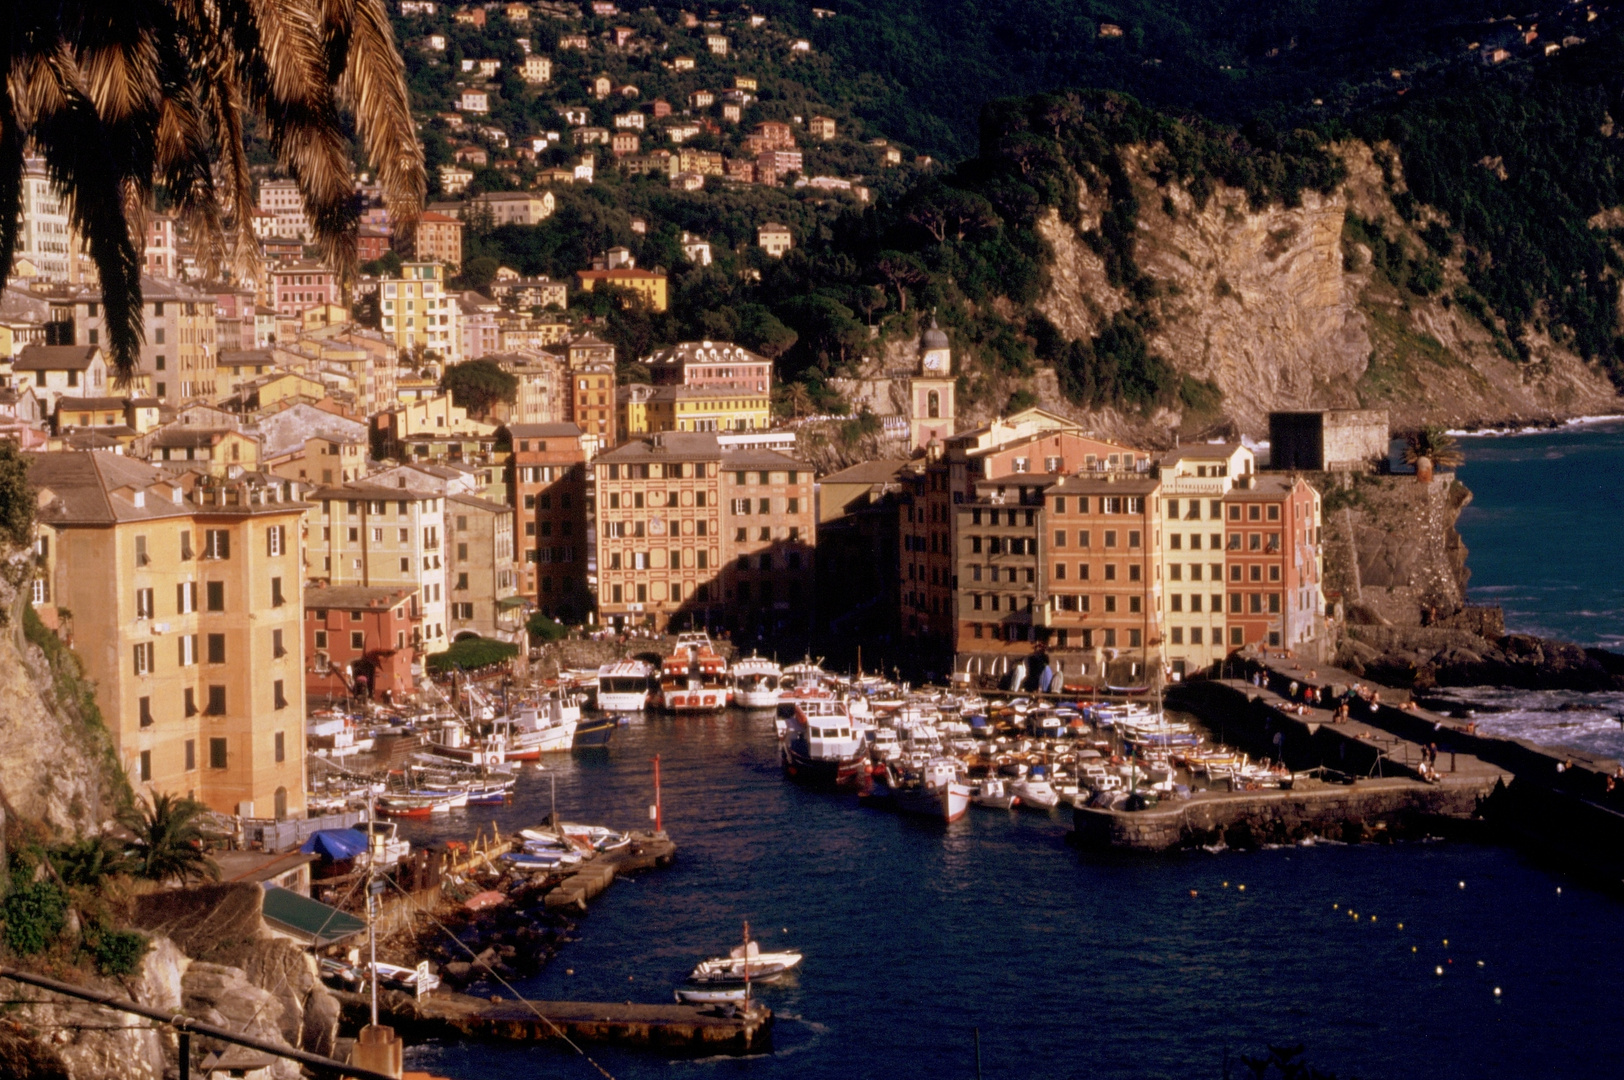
[686, 1029]
[586, 881]
[1365, 771]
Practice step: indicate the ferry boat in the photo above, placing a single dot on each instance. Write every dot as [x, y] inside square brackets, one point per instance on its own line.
[694, 678]
[623, 686]
[756, 683]
[819, 746]
[806, 674]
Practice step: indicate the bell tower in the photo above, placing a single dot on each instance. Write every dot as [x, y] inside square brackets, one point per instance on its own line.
[930, 393]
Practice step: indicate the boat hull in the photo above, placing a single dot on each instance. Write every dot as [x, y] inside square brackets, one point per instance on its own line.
[946, 804]
[822, 772]
[593, 733]
[621, 702]
[757, 699]
[696, 701]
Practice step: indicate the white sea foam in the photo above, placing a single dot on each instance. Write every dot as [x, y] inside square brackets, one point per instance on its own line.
[1533, 429]
[1566, 718]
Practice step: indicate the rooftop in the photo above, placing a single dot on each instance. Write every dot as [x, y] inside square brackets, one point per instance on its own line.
[867, 472]
[56, 357]
[356, 597]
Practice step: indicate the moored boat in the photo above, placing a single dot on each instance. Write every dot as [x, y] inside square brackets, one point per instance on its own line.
[595, 732]
[756, 683]
[694, 677]
[623, 686]
[818, 745]
[933, 791]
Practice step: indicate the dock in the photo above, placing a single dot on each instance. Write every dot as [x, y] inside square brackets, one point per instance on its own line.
[585, 882]
[1560, 805]
[682, 1029]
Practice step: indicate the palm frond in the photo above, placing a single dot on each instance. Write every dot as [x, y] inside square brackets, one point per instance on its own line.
[373, 88]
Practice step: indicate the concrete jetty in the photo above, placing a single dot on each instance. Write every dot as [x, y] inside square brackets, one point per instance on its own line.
[585, 882]
[683, 1029]
[1560, 805]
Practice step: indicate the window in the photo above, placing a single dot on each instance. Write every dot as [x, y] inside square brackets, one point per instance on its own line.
[405, 565]
[1110, 571]
[279, 698]
[1133, 538]
[217, 701]
[216, 596]
[1255, 603]
[1256, 572]
[276, 540]
[145, 704]
[277, 599]
[358, 640]
[321, 639]
[145, 661]
[217, 753]
[186, 545]
[1059, 571]
[217, 648]
[1235, 603]
[191, 701]
[146, 766]
[143, 604]
[1082, 536]
[216, 544]
[1274, 603]
[1110, 604]
[191, 755]
[141, 557]
[278, 650]
[1133, 605]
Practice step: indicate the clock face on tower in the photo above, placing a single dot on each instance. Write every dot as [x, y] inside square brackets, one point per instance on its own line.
[935, 362]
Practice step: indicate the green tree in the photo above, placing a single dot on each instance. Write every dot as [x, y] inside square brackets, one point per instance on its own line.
[542, 628]
[123, 101]
[16, 497]
[480, 272]
[167, 839]
[478, 385]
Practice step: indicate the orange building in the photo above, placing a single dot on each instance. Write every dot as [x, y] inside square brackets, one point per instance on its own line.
[1272, 559]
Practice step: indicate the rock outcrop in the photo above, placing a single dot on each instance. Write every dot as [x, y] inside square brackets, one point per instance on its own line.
[1283, 307]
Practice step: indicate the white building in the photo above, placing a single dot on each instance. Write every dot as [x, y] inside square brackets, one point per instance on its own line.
[44, 236]
[283, 200]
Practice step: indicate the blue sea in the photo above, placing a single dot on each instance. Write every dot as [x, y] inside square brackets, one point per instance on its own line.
[917, 936]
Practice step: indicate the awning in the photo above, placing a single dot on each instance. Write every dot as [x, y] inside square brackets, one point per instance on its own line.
[335, 844]
[309, 920]
[511, 602]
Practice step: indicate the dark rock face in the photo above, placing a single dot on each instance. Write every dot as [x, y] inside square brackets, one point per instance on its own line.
[1515, 660]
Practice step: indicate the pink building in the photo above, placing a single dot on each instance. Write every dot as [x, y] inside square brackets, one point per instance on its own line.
[711, 364]
[296, 287]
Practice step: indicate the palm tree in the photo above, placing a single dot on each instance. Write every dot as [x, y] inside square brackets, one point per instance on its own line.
[168, 839]
[89, 861]
[123, 99]
[1435, 443]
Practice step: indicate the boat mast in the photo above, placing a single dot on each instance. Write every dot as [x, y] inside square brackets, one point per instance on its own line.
[372, 899]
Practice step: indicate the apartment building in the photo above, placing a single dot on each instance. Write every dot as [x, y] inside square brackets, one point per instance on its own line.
[514, 207]
[368, 534]
[547, 489]
[1273, 561]
[692, 534]
[1065, 562]
[647, 409]
[710, 364]
[359, 640]
[177, 359]
[484, 595]
[1195, 481]
[649, 285]
[46, 240]
[438, 239]
[298, 287]
[417, 313]
[592, 400]
[186, 613]
[283, 200]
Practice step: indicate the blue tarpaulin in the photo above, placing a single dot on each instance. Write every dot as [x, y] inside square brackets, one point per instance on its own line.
[335, 844]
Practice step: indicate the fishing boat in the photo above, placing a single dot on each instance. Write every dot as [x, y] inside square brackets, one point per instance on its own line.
[623, 686]
[694, 677]
[756, 683]
[595, 732]
[540, 860]
[1035, 790]
[819, 746]
[807, 673]
[544, 728]
[933, 790]
[994, 794]
[414, 806]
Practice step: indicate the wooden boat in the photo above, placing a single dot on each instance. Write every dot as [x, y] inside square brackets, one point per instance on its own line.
[699, 995]
[596, 732]
[413, 806]
[991, 792]
[933, 791]
[694, 678]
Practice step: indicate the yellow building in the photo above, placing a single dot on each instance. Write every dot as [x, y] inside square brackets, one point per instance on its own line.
[645, 283]
[322, 459]
[648, 410]
[186, 613]
[220, 452]
[416, 312]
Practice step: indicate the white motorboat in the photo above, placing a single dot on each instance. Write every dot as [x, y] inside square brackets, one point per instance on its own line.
[994, 794]
[743, 960]
[804, 675]
[624, 686]
[818, 744]
[694, 677]
[1036, 792]
[756, 683]
[704, 995]
[548, 727]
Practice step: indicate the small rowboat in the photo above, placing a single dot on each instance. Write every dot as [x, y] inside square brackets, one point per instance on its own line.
[693, 995]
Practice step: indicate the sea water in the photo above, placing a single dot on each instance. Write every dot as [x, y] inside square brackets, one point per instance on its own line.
[1542, 537]
[917, 936]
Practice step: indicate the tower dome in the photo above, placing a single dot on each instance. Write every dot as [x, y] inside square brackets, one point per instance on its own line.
[934, 337]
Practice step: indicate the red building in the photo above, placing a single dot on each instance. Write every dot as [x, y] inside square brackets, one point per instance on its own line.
[1272, 561]
[548, 489]
[359, 639]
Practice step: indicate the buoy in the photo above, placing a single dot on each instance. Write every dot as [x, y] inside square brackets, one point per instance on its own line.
[1192, 892]
[1559, 893]
[1449, 961]
[1412, 948]
[1439, 970]
[1496, 991]
[1401, 926]
[1226, 884]
[1480, 963]
[1355, 917]
[1335, 906]
[1373, 918]
[1463, 884]
[569, 971]
[1242, 888]
[1446, 943]
[631, 978]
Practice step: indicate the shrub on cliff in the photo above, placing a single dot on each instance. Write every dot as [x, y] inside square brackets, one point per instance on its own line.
[16, 498]
[34, 916]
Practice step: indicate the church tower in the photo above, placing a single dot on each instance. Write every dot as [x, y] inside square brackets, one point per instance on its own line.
[930, 393]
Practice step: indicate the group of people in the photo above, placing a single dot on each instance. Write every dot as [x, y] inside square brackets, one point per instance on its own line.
[1429, 763]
